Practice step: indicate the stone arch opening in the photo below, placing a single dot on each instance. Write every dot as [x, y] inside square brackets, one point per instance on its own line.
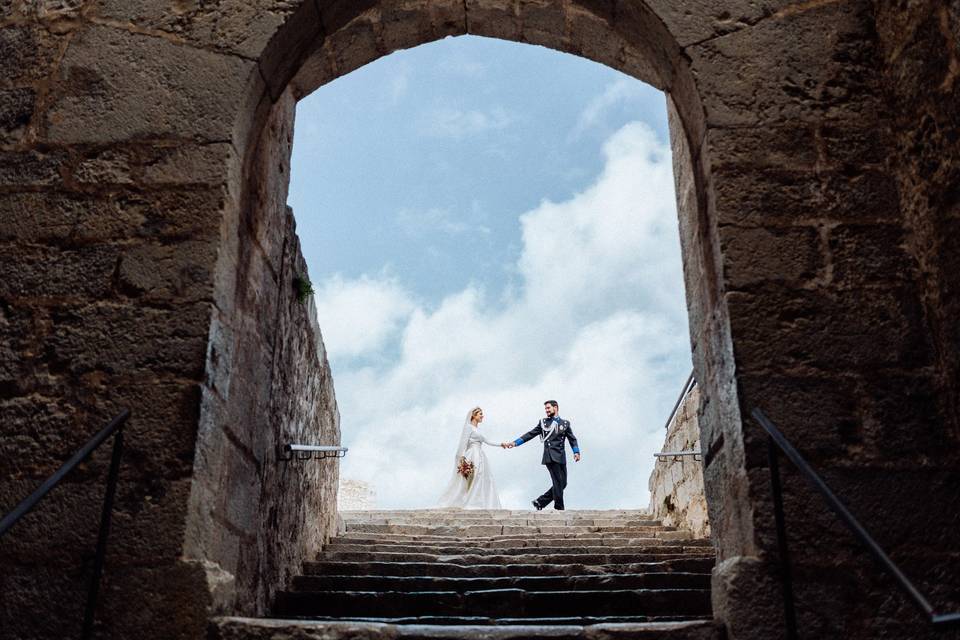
[142, 146]
[471, 148]
[318, 43]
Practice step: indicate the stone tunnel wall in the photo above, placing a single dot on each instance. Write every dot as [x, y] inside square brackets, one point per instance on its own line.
[677, 496]
[132, 277]
[253, 519]
[816, 164]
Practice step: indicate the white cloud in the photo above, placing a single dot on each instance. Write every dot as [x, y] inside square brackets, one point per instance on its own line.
[434, 220]
[359, 316]
[460, 65]
[449, 122]
[616, 93]
[598, 323]
[399, 84]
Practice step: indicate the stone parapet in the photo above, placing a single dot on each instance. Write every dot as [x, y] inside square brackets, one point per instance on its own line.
[355, 495]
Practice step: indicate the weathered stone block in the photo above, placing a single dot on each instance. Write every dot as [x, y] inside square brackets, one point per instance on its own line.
[751, 196]
[870, 254]
[759, 196]
[354, 45]
[870, 196]
[162, 430]
[786, 146]
[52, 273]
[830, 425]
[116, 338]
[701, 20]
[115, 85]
[167, 214]
[163, 272]
[901, 416]
[40, 437]
[494, 19]
[290, 43]
[790, 255]
[194, 164]
[338, 13]
[106, 167]
[861, 330]
[235, 26]
[54, 217]
[31, 168]
[28, 51]
[795, 69]
[175, 601]
[403, 25]
[74, 218]
[16, 109]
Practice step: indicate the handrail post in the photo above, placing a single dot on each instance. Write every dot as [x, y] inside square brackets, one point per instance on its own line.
[786, 577]
[105, 518]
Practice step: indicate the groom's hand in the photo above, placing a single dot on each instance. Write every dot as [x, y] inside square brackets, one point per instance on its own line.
[576, 457]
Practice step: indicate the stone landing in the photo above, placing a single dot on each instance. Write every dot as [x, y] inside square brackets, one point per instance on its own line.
[496, 574]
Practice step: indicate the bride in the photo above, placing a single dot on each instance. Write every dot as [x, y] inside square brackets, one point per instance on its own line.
[477, 490]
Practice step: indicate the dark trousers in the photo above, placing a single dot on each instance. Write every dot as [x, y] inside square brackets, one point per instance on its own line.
[558, 475]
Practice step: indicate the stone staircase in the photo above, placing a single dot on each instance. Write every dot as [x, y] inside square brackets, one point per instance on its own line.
[503, 574]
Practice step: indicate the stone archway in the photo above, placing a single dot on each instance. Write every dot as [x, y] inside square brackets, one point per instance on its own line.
[315, 46]
[148, 247]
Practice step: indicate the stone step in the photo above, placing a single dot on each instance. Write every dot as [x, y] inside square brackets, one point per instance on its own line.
[693, 564]
[484, 530]
[512, 521]
[495, 603]
[492, 513]
[651, 580]
[494, 623]
[557, 539]
[526, 556]
[512, 547]
[272, 629]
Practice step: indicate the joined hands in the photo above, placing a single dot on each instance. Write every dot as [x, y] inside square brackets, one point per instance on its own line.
[507, 445]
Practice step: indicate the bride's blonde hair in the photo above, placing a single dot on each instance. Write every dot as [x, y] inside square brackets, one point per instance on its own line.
[473, 412]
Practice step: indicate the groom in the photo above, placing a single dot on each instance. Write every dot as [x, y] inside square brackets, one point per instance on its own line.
[552, 431]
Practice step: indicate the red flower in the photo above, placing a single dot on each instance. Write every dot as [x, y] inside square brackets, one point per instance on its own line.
[465, 468]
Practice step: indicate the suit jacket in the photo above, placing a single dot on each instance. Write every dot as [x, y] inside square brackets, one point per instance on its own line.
[553, 439]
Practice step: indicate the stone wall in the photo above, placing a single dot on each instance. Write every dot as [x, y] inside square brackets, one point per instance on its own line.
[139, 270]
[355, 495]
[142, 227]
[677, 496]
[253, 519]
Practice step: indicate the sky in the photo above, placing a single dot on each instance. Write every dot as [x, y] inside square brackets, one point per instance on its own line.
[491, 223]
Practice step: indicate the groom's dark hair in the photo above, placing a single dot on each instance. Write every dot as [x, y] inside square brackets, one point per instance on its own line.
[553, 403]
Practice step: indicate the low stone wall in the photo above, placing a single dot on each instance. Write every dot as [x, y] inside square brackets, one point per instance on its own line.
[676, 486]
[355, 495]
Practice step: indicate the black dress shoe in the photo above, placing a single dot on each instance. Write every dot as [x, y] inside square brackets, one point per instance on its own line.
[537, 506]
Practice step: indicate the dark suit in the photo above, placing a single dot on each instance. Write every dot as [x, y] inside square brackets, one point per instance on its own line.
[553, 432]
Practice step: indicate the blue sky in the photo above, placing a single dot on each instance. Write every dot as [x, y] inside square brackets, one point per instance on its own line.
[493, 223]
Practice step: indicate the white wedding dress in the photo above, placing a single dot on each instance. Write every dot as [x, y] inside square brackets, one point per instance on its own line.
[479, 491]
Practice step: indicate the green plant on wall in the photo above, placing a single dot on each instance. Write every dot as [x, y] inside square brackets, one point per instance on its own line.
[303, 287]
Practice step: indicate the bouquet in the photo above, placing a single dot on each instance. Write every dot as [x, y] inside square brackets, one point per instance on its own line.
[465, 468]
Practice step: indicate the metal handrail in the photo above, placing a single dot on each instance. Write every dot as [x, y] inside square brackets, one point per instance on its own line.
[687, 386]
[115, 428]
[678, 454]
[306, 451]
[776, 440]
